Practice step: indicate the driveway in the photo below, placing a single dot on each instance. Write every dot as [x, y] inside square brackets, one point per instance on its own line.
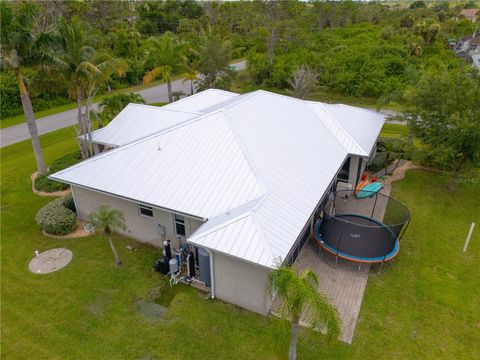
[155, 94]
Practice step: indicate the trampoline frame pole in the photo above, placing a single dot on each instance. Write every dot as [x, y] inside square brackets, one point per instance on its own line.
[338, 247]
[374, 205]
[404, 229]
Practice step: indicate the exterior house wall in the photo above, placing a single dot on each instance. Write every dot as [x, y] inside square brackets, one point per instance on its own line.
[241, 283]
[139, 227]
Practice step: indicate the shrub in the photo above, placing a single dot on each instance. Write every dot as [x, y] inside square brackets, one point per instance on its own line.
[43, 183]
[56, 219]
[65, 161]
[69, 203]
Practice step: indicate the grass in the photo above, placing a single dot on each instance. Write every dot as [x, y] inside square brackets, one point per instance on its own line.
[423, 306]
[394, 131]
[325, 95]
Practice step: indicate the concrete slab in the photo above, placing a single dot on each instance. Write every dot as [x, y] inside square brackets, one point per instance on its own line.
[50, 261]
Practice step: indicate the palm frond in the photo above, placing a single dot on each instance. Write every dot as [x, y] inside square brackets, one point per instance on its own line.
[152, 74]
[301, 298]
[106, 219]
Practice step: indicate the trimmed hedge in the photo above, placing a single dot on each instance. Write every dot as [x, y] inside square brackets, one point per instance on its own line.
[56, 219]
[69, 203]
[43, 183]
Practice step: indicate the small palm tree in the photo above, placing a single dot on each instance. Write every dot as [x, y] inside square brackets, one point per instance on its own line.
[106, 220]
[177, 95]
[301, 300]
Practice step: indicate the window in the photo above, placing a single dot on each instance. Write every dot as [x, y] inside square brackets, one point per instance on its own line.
[145, 210]
[179, 225]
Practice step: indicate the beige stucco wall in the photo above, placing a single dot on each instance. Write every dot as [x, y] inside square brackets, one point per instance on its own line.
[139, 227]
[241, 283]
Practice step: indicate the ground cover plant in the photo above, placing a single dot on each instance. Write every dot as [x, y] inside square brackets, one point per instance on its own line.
[425, 305]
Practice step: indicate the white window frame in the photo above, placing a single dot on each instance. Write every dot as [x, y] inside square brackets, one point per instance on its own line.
[146, 207]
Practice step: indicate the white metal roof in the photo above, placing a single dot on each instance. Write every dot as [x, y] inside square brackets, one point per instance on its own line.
[201, 100]
[137, 121]
[354, 127]
[197, 169]
[255, 167]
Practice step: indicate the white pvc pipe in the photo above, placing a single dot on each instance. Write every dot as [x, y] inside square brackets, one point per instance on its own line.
[212, 274]
[468, 237]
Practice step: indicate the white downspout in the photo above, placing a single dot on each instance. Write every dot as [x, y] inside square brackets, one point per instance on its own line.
[212, 274]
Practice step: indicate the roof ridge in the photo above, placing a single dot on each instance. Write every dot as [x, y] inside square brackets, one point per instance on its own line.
[240, 98]
[201, 92]
[221, 225]
[244, 151]
[343, 128]
[347, 133]
[259, 228]
[248, 214]
[161, 108]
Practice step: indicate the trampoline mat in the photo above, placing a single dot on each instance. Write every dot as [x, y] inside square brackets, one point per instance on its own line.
[357, 236]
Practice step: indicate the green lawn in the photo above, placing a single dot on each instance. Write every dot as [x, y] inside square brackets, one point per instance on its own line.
[425, 306]
[394, 131]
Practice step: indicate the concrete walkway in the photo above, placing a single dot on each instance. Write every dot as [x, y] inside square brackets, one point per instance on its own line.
[155, 94]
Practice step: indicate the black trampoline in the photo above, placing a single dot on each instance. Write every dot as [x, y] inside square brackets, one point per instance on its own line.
[362, 230]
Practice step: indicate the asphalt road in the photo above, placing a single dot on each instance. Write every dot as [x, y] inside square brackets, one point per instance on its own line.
[155, 94]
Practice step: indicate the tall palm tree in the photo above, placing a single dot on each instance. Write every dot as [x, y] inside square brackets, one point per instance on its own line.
[164, 55]
[22, 47]
[84, 69]
[107, 220]
[300, 299]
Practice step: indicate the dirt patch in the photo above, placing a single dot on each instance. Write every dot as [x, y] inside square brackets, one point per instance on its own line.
[43, 193]
[79, 232]
[152, 311]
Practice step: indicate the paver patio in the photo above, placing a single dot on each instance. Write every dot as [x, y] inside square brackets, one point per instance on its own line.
[343, 282]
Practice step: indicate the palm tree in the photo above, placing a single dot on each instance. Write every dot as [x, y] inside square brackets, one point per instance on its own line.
[111, 106]
[22, 47]
[301, 301]
[106, 220]
[164, 55]
[84, 69]
[192, 76]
